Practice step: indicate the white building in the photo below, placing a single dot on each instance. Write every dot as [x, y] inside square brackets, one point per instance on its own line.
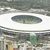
[13, 24]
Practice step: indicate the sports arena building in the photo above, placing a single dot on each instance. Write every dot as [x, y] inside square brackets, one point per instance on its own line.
[24, 31]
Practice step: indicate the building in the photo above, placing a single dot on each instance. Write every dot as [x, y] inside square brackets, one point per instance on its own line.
[16, 30]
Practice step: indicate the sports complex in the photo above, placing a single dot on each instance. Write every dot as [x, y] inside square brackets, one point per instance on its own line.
[24, 31]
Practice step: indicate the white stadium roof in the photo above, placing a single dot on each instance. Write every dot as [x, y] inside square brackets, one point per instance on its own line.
[6, 22]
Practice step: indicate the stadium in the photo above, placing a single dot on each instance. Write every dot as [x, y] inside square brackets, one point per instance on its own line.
[24, 31]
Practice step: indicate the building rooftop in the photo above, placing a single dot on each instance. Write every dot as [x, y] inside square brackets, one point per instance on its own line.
[6, 22]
